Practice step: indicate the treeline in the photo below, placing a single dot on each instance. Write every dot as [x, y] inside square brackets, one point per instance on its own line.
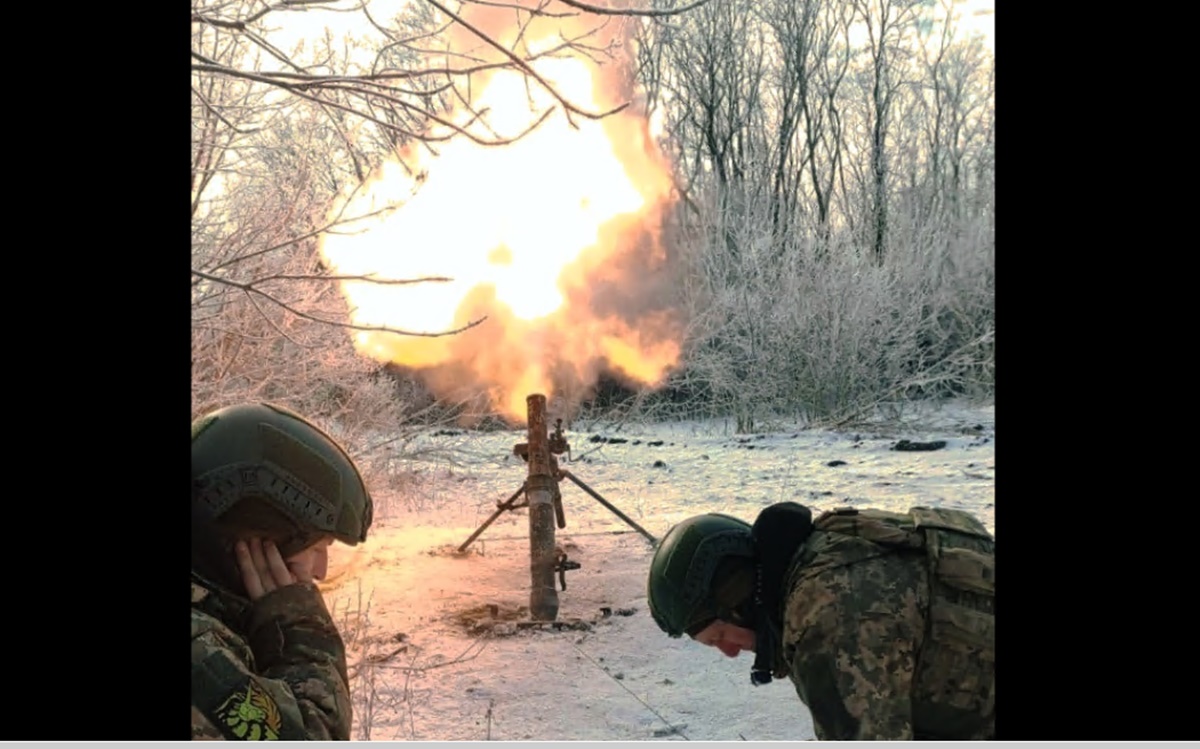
[833, 242]
[836, 159]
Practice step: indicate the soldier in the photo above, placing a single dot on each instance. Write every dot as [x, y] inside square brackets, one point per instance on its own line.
[270, 493]
[883, 621]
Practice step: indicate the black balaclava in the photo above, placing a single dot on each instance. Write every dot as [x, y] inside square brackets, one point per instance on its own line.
[778, 533]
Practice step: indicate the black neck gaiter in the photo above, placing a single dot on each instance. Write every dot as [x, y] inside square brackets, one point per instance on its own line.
[778, 533]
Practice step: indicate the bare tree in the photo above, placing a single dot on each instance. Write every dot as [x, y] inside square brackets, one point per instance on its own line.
[814, 55]
[816, 279]
[835, 167]
[280, 135]
[888, 24]
[707, 71]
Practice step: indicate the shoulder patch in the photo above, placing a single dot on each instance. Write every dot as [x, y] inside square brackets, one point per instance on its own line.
[250, 714]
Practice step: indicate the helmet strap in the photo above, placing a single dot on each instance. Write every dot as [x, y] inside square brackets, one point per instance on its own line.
[766, 635]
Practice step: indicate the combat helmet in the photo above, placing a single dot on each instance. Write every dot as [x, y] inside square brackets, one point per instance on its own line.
[682, 591]
[262, 468]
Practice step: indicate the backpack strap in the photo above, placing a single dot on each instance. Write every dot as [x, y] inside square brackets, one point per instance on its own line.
[955, 672]
[961, 555]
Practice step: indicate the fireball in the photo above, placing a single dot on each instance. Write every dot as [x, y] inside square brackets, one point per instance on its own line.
[551, 240]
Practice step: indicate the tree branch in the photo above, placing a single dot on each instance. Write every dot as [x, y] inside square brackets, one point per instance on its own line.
[568, 106]
[630, 11]
[332, 84]
[249, 288]
[370, 278]
[522, 9]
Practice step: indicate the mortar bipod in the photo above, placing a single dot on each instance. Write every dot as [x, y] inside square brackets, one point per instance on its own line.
[556, 445]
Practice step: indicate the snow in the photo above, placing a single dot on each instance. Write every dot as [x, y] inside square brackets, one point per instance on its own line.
[440, 643]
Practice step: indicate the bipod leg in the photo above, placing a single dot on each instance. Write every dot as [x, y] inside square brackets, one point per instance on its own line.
[607, 504]
[505, 505]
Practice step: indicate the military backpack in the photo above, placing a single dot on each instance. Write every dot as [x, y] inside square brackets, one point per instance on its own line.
[955, 672]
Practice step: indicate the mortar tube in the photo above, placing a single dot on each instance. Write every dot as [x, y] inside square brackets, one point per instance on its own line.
[539, 490]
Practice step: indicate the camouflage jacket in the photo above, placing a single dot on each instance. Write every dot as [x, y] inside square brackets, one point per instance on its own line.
[271, 669]
[888, 630]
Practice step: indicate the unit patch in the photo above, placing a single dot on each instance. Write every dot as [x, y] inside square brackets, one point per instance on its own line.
[251, 714]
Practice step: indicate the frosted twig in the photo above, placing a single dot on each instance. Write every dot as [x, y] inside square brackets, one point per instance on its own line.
[412, 725]
[462, 658]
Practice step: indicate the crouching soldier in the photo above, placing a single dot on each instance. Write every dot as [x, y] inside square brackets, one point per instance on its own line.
[883, 621]
[270, 493]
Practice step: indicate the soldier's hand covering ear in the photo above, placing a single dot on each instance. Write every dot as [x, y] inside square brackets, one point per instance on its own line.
[263, 569]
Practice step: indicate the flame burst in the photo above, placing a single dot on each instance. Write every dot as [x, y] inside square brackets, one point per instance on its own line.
[554, 238]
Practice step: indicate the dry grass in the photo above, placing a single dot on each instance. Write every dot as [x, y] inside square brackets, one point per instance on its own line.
[373, 655]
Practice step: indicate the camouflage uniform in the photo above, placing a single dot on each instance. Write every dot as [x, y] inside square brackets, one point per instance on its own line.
[274, 668]
[887, 626]
[271, 669]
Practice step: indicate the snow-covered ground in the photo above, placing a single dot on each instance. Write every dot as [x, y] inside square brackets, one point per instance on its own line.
[441, 646]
